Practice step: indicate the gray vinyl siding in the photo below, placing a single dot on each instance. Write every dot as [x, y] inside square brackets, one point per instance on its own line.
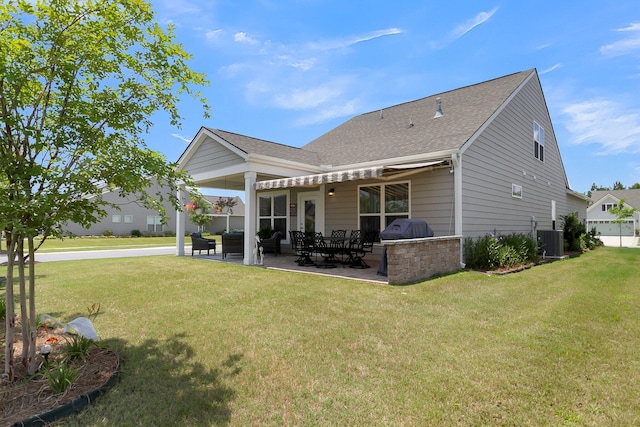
[431, 199]
[128, 206]
[503, 155]
[211, 155]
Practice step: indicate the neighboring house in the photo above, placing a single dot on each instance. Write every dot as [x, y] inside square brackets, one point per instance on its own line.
[470, 161]
[598, 214]
[132, 215]
[232, 219]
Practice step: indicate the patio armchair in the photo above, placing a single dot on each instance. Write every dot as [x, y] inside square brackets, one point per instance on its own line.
[359, 245]
[326, 252]
[272, 244]
[302, 245]
[232, 243]
[199, 243]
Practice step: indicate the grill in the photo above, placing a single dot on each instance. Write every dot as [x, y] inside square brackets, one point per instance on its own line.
[402, 228]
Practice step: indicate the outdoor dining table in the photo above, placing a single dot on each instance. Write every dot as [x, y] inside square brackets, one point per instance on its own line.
[336, 245]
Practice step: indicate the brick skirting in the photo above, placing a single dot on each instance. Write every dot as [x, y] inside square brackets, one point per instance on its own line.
[412, 260]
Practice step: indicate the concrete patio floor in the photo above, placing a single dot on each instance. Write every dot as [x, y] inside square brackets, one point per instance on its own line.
[287, 262]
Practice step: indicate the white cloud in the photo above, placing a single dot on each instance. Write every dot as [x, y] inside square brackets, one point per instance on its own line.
[550, 69]
[242, 37]
[464, 28]
[306, 99]
[180, 137]
[213, 35]
[613, 126]
[346, 42]
[341, 109]
[479, 19]
[629, 44]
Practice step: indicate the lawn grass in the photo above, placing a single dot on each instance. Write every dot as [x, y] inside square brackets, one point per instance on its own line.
[207, 343]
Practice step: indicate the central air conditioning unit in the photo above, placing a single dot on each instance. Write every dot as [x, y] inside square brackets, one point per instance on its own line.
[551, 243]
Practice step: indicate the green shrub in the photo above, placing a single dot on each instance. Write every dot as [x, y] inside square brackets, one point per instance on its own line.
[107, 233]
[78, 347]
[169, 233]
[573, 229]
[493, 251]
[3, 308]
[61, 374]
[136, 233]
[265, 232]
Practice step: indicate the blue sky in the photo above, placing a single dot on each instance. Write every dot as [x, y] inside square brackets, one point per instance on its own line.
[288, 71]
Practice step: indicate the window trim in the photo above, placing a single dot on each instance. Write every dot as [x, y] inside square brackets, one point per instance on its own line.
[382, 214]
[538, 141]
[157, 223]
[286, 216]
[516, 191]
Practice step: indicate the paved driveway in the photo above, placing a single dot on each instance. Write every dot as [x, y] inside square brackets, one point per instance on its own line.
[113, 253]
[627, 241]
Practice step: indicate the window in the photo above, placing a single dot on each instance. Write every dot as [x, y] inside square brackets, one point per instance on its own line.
[607, 206]
[128, 219]
[273, 212]
[154, 224]
[115, 218]
[380, 204]
[538, 141]
[516, 191]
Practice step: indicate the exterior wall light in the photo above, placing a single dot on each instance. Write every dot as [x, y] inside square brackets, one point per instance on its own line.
[331, 192]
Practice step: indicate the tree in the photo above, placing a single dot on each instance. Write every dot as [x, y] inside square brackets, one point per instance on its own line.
[635, 186]
[618, 186]
[79, 83]
[622, 213]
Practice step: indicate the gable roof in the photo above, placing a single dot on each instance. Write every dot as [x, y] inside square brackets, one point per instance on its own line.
[411, 129]
[250, 145]
[632, 197]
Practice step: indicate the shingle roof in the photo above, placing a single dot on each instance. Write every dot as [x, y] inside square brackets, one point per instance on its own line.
[410, 128]
[406, 129]
[632, 197]
[251, 145]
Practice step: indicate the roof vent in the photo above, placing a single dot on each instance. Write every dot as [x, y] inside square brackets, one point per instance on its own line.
[439, 112]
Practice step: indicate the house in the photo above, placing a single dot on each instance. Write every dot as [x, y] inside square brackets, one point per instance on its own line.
[469, 161]
[230, 219]
[599, 217]
[133, 215]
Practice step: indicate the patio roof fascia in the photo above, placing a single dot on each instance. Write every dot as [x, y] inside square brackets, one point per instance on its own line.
[321, 178]
[202, 134]
[344, 175]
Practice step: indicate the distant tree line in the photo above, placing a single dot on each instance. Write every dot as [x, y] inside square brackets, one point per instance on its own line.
[616, 186]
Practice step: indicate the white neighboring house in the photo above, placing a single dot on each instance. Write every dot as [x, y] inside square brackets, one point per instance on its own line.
[598, 214]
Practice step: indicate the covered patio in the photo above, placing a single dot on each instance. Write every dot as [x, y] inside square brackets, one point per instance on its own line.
[287, 262]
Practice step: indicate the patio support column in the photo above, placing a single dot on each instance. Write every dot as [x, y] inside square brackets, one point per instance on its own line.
[180, 223]
[456, 163]
[250, 212]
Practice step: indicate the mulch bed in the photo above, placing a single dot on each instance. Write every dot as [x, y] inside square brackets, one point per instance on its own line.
[26, 398]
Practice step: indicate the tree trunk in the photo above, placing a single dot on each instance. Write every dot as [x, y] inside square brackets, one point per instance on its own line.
[33, 333]
[10, 316]
[24, 314]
